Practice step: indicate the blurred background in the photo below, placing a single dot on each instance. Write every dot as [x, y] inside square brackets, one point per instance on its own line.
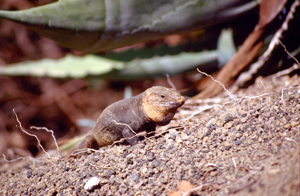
[61, 103]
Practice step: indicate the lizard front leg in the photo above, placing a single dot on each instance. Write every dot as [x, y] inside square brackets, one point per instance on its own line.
[129, 134]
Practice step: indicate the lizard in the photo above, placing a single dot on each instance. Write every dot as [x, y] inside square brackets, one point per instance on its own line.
[123, 119]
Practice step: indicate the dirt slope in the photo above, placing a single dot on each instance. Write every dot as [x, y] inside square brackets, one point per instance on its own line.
[242, 146]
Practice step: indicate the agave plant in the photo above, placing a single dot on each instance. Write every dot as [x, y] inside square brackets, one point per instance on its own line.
[99, 26]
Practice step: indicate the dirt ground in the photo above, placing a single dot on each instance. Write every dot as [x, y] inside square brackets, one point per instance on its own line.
[244, 145]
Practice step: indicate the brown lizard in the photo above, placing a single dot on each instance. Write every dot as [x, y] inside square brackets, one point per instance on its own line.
[125, 118]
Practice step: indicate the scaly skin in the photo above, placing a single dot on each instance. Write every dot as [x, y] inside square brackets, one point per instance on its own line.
[122, 119]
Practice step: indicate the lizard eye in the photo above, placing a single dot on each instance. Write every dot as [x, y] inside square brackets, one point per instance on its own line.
[162, 96]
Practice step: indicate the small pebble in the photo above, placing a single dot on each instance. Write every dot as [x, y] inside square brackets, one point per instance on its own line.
[92, 183]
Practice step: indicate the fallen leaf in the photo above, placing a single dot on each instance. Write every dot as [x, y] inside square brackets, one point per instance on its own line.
[182, 188]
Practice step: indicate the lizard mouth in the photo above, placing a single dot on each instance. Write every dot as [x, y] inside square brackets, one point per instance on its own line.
[173, 104]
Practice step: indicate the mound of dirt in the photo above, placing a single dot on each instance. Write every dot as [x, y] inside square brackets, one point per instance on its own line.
[244, 145]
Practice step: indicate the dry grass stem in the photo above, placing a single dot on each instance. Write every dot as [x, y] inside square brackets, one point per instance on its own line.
[289, 53]
[170, 82]
[23, 130]
[52, 134]
[229, 94]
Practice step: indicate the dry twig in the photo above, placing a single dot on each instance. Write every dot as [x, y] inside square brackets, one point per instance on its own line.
[22, 129]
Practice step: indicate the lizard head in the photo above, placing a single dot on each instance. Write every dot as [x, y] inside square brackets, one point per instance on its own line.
[160, 104]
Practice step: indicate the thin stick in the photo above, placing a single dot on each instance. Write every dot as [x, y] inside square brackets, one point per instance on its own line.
[170, 82]
[283, 102]
[263, 85]
[290, 140]
[52, 134]
[22, 129]
[234, 163]
[13, 160]
[288, 52]
[125, 125]
[217, 82]
[122, 139]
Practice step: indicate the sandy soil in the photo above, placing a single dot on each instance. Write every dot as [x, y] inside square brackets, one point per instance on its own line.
[244, 145]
